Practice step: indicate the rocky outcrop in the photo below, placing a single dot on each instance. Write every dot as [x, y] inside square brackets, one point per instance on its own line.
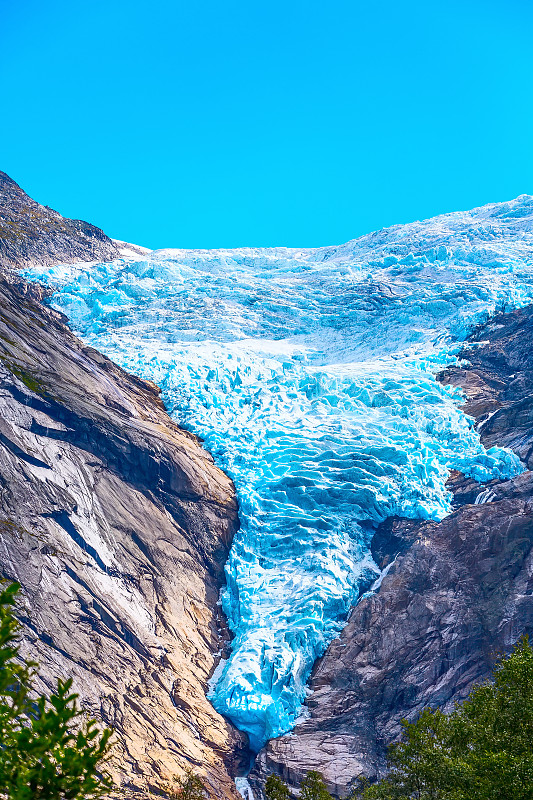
[34, 234]
[455, 594]
[116, 523]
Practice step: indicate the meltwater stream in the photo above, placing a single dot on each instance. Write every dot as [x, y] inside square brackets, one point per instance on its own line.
[311, 376]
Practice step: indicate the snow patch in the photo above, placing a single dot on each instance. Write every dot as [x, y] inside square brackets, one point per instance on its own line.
[131, 251]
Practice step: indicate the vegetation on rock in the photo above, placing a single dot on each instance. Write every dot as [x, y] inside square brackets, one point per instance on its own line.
[313, 787]
[276, 789]
[483, 749]
[188, 787]
[48, 750]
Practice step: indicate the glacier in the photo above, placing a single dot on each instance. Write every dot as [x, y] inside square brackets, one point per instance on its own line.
[310, 374]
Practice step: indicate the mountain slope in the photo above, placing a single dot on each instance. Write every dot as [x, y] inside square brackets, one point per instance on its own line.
[34, 234]
[117, 524]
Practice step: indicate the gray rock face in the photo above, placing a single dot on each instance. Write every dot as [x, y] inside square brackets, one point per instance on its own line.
[116, 523]
[457, 592]
[34, 234]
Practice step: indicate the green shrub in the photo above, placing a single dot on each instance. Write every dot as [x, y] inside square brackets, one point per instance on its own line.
[483, 750]
[276, 789]
[311, 788]
[188, 787]
[48, 750]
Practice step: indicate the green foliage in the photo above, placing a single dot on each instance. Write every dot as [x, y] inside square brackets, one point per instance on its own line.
[189, 787]
[276, 789]
[313, 787]
[47, 751]
[483, 750]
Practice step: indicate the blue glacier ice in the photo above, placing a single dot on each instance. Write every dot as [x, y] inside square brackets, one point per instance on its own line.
[310, 374]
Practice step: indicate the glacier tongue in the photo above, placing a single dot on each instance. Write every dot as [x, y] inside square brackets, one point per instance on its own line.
[311, 376]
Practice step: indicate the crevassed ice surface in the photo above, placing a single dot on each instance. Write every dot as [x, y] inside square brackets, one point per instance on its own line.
[311, 376]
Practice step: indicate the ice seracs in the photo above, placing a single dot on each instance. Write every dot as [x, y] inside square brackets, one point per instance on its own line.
[310, 374]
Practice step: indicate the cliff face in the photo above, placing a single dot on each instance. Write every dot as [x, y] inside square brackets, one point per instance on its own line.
[117, 524]
[456, 592]
[34, 234]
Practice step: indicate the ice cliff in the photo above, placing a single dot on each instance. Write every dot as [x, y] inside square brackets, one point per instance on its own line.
[310, 374]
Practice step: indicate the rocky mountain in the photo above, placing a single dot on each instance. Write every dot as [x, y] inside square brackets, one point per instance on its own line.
[34, 234]
[455, 594]
[116, 523]
[311, 377]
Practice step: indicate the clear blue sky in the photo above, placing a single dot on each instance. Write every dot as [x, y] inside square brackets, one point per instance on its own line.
[260, 122]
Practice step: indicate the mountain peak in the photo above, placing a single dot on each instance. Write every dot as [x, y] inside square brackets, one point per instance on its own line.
[31, 233]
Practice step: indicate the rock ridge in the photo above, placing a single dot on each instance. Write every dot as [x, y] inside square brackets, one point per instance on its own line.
[31, 233]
